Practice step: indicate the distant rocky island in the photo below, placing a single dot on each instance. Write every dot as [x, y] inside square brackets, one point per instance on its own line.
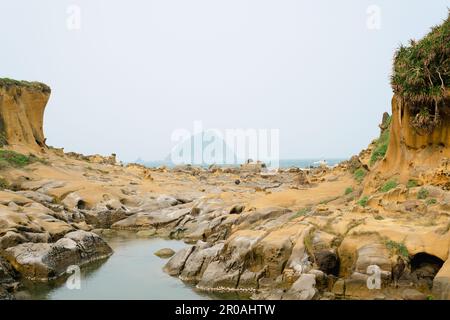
[376, 226]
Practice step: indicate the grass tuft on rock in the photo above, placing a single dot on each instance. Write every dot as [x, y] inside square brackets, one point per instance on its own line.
[412, 183]
[397, 248]
[382, 143]
[300, 213]
[422, 194]
[363, 201]
[391, 184]
[37, 86]
[16, 160]
[381, 147]
[359, 174]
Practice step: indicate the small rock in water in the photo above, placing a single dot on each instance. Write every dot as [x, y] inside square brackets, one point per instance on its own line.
[165, 253]
[146, 233]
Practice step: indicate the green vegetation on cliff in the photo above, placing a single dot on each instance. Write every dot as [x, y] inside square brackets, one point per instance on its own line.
[421, 75]
[38, 86]
[363, 201]
[382, 143]
[17, 160]
[391, 184]
[359, 174]
[397, 248]
[422, 69]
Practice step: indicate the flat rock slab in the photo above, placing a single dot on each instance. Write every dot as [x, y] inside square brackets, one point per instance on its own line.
[154, 219]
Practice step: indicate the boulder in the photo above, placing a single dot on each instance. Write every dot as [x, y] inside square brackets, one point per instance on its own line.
[200, 258]
[248, 219]
[45, 261]
[176, 264]
[164, 253]
[105, 218]
[273, 251]
[146, 233]
[166, 200]
[11, 239]
[218, 277]
[36, 196]
[302, 289]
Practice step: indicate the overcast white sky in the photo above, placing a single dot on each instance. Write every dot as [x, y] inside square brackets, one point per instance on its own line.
[139, 69]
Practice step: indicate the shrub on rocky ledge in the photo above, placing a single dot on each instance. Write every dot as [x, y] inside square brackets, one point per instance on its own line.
[422, 194]
[391, 184]
[363, 201]
[359, 174]
[17, 160]
[411, 183]
[348, 190]
[421, 75]
[381, 147]
[397, 248]
[38, 86]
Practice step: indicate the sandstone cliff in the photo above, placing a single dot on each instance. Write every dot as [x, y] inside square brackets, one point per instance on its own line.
[412, 154]
[419, 140]
[22, 107]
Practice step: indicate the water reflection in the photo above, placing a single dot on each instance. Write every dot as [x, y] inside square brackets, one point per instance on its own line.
[132, 272]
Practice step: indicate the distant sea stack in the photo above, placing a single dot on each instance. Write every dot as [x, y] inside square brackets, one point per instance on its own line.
[22, 106]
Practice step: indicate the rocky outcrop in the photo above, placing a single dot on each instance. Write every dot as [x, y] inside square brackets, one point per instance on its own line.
[46, 261]
[299, 234]
[164, 253]
[22, 107]
[413, 154]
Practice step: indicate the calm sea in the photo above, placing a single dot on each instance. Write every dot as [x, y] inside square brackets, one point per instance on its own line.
[284, 163]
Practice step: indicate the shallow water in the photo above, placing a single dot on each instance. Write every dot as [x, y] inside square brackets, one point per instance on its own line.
[132, 272]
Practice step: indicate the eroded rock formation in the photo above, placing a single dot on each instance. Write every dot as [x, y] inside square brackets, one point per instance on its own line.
[411, 153]
[22, 106]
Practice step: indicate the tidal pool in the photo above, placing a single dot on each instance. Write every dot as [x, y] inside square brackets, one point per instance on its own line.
[132, 272]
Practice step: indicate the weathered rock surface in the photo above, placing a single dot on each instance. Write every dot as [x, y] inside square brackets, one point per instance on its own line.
[441, 283]
[164, 253]
[22, 113]
[272, 234]
[45, 261]
[153, 219]
[302, 289]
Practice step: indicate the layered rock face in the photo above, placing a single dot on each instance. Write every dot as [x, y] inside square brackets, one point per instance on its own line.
[44, 261]
[414, 155]
[22, 106]
[410, 150]
[299, 234]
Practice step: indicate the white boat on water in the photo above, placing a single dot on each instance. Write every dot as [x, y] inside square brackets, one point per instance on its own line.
[321, 163]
